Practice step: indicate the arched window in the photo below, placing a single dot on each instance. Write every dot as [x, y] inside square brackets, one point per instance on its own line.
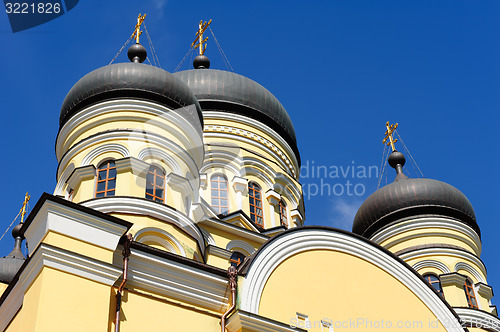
[237, 258]
[155, 184]
[220, 203]
[435, 283]
[255, 196]
[283, 214]
[106, 179]
[469, 293]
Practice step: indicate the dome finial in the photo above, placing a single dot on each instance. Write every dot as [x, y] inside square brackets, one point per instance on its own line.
[137, 53]
[201, 61]
[396, 159]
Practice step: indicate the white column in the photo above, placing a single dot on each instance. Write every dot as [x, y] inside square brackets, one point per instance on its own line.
[297, 218]
[240, 186]
[273, 198]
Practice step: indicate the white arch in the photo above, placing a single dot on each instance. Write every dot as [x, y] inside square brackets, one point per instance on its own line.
[208, 237]
[470, 269]
[238, 244]
[307, 239]
[110, 147]
[431, 263]
[142, 236]
[63, 178]
[171, 162]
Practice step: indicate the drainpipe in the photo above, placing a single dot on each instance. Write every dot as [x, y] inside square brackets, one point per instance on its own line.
[126, 255]
[232, 274]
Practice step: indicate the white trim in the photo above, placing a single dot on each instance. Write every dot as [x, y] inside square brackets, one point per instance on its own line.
[256, 124]
[63, 179]
[283, 247]
[141, 206]
[240, 232]
[469, 268]
[470, 236]
[59, 259]
[208, 237]
[110, 147]
[155, 153]
[177, 248]
[58, 218]
[188, 137]
[238, 244]
[177, 281]
[432, 264]
[440, 251]
[245, 321]
[218, 252]
[479, 319]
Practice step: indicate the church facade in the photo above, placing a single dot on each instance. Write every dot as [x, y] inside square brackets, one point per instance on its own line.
[179, 207]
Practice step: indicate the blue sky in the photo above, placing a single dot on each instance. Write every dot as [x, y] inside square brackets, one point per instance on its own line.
[340, 68]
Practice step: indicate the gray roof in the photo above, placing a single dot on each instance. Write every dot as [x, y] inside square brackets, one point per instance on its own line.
[130, 80]
[409, 198]
[229, 92]
[10, 264]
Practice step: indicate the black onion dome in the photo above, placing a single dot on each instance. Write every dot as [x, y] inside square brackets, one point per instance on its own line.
[226, 91]
[407, 197]
[10, 264]
[130, 80]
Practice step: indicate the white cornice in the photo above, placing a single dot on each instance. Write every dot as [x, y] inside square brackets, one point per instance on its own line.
[140, 206]
[424, 223]
[441, 251]
[110, 147]
[235, 245]
[484, 290]
[213, 250]
[452, 279]
[238, 231]
[177, 281]
[132, 164]
[431, 263]
[80, 174]
[59, 259]
[245, 321]
[64, 220]
[469, 268]
[149, 109]
[254, 123]
[478, 319]
[283, 247]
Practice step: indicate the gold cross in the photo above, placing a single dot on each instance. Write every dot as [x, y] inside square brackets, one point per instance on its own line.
[199, 41]
[388, 135]
[23, 209]
[137, 30]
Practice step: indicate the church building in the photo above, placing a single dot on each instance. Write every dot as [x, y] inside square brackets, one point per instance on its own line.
[179, 207]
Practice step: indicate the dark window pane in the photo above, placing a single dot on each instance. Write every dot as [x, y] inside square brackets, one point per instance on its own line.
[111, 184]
[99, 195]
[159, 181]
[110, 193]
[102, 175]
[112, 173]
[159, 193]
[223, 185]
[149, 191]
[149, 178]
[101, 186]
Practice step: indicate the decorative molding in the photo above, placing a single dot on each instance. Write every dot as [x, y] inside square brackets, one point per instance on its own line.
[64, 220]
[142, 206]
[203, 181]
[478, 319]
[179, 184]
[467, 267]
[208, 237]
[141, 107]
[63, 179]
[177, 281]
[218, 252]
[240, 232]
[471, 237]
[207, 115]
[441, 251]
[433, 264]
[240, 185]
[272, 197]
[109, 147]
[155, 153]
[484, 290]
[162, 237]
[79, 174]
[297, 217]
[245, 321]
[234, 245]
[289, 244]
[133, 165]
[452, 279]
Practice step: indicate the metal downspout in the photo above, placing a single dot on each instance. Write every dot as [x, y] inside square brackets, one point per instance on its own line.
[232, 274]
[126, 255]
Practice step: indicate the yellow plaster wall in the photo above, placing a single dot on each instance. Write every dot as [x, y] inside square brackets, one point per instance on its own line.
[143, 313]
[222, 238]
[338, 286]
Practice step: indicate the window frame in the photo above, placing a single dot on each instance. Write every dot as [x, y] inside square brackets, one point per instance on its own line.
[107, 180]
[154, 186]
[240, 258]
[283, 213]
[427, 277]
[469, 285]
[254, 187]
[219, 207]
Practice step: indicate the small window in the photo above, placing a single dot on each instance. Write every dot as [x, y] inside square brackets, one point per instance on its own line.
[283, 215]
[155, 184]
[435, 283]
[237, 258]
[255, 197]
[106, 179]
[469, 293]
[220, 203]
